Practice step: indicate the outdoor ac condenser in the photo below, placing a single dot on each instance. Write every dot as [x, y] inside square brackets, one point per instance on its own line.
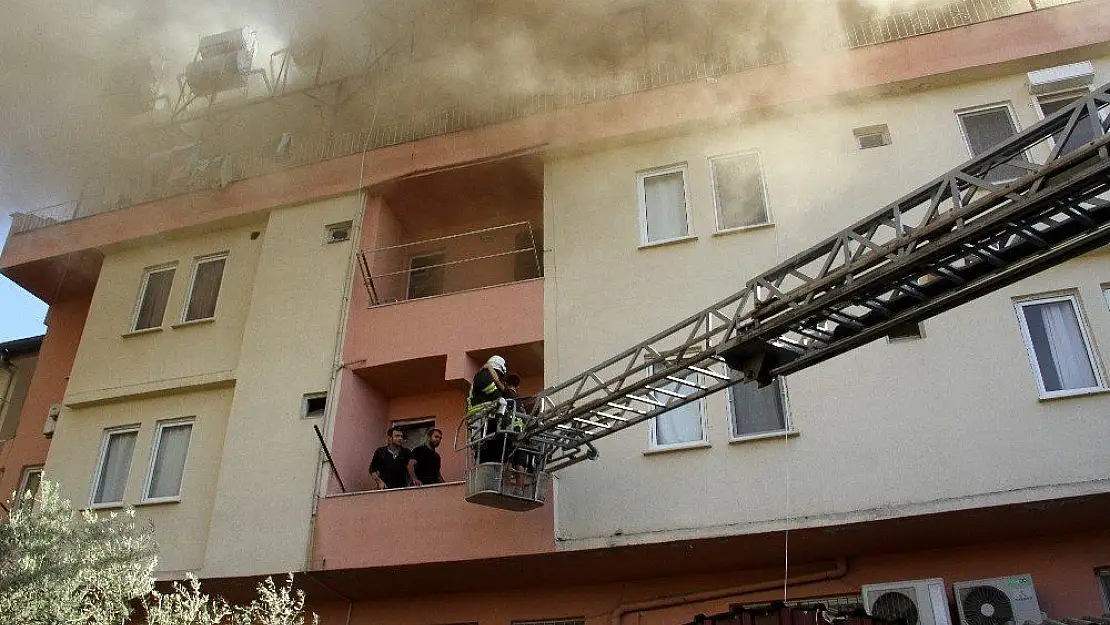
[918, 602]
[1007, 600]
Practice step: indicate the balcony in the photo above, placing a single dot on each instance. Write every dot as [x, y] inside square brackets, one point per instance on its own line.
[421, 525]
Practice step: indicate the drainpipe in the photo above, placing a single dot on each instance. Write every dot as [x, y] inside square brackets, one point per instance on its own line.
[838, 572]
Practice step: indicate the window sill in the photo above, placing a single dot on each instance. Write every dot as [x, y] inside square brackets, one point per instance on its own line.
[728, 231]
[677, 447]
[127, 335]
[156, 502]
[763, 436]
[115, 505]
[194, 322]
[665, 242]
[1076, 393]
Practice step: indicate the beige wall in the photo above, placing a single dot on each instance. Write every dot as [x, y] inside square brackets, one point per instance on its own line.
[113, 362]
[246, 500]
[950, 421]
[181, 528]
[263, 508]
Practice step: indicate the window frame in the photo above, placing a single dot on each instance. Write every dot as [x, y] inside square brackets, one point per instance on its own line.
[24, 478]
[305, 414]
[157, 442]
[407, 425]
[1084, 329]
[197, 262]
[1102, 578]
[143, 285]
[656, 447]
[1056, 96]
[971, 110]
[787, 420]
[98, 471]
[440, 266]
[762, 190]
[641, 202]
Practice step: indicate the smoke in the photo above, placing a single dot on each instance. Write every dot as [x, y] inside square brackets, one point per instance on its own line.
[63, 121]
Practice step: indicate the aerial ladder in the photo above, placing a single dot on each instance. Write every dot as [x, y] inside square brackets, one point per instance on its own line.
[1034, 201]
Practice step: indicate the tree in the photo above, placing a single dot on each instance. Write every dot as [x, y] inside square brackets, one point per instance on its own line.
[61, 567]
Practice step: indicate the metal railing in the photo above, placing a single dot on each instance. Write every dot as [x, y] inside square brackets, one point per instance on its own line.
[276, 154]
[452, 263]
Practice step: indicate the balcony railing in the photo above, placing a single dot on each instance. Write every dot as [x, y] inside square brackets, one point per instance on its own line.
[448, 264]
[202, 171]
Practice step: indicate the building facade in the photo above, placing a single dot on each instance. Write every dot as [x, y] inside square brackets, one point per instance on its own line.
[227, 359]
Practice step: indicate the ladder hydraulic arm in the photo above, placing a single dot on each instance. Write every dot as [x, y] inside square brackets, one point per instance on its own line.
[1034, 201]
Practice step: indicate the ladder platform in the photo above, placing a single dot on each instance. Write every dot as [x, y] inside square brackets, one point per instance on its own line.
[491, 484]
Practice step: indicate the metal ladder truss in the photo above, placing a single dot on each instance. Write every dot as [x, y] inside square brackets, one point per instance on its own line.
[1029, 203]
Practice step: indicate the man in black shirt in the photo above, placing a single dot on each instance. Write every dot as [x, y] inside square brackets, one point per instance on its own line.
[424, 467]
[390, 465]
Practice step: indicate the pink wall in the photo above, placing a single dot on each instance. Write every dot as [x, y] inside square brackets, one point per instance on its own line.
[509, 314]
[1062, 568]
[422, 525]
[65, 321]
[359, 429]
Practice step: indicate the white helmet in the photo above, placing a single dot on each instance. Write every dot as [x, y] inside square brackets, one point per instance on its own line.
[498, 364]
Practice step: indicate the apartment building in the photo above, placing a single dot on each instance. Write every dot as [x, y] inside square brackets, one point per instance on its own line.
[22, 449]
[227, 354]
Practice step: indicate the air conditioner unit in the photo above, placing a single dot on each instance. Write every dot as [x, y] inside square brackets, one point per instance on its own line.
[1061, 78]
[916, 602]
[1000, 601]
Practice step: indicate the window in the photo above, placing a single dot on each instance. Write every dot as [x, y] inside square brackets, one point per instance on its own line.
[114, 466]
[872, 136]
[314, 405]
[416, 432]
[208, 274]
[679, 427]
[738, 191]
[1059, 346]
[336, 233]
[663, 211]
[153, 295]
[528, 255]
[757, 411]
[1102, 575]
[426, 274]
[905, 331]
[1053, 102]
[29, 484]
[167, 465]
[986, 127]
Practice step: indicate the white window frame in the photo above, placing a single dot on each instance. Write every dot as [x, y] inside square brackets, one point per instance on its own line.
[1009, 106]
[1106, 294]
[162, 426]
[197, 262]
[99, 472]
[142, 294]
[26, 477]
[787, 421]
[1053, 97]
[1084, 328]
[1102, 578]
[641, 202]
[762, 189]
[654, 446]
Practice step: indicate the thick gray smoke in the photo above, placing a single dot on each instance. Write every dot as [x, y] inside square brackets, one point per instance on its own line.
[64, 63]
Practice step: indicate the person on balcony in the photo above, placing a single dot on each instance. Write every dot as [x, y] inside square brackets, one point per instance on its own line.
[390, 465]
[424, 467]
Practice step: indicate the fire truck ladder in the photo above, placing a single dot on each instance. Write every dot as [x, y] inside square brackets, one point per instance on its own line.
[1034, 201]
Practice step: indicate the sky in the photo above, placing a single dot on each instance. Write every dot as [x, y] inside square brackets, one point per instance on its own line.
[21, 314]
